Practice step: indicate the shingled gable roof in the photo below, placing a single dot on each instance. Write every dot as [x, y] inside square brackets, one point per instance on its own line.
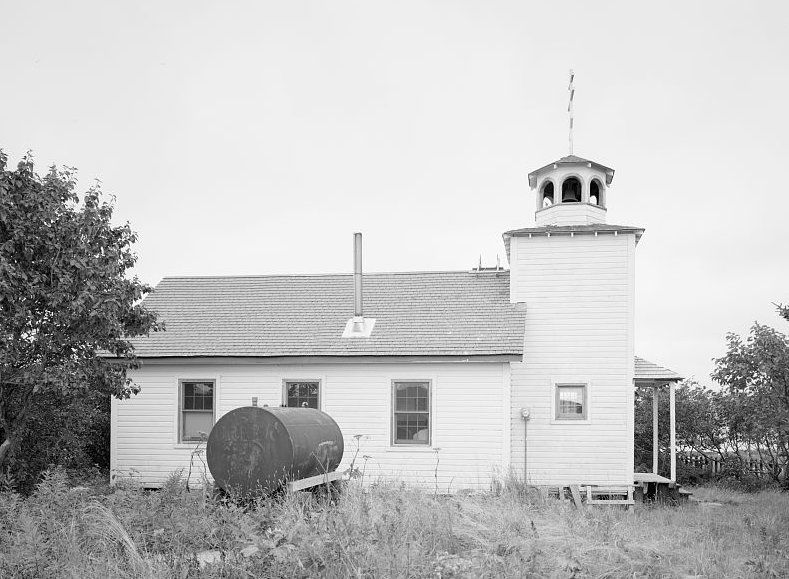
[417, 314]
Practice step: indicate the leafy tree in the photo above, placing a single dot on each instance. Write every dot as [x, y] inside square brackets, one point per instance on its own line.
[67, 307]
[700, 426]
[724, 425]
[755, 373]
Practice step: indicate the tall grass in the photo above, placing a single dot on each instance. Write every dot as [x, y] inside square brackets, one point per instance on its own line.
[383, 530]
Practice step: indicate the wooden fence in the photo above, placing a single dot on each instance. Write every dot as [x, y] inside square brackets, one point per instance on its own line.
[715, 466]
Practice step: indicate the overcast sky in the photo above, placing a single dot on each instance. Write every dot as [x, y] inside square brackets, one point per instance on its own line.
[255, 137]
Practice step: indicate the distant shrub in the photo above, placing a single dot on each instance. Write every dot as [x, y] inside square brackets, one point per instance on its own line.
[73, 435]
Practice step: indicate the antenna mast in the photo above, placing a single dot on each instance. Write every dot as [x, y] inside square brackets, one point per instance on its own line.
[571, 89]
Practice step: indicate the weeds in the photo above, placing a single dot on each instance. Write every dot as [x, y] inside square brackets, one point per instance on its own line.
[435, 470]
[382, 530]
[353, 472]
[197, 454]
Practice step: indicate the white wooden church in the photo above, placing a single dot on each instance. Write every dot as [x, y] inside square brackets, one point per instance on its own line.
[528, 372]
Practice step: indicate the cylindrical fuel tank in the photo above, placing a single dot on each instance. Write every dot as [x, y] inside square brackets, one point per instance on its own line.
[253, 449]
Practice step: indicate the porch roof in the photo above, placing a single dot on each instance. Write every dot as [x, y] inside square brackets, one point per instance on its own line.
[647, 371]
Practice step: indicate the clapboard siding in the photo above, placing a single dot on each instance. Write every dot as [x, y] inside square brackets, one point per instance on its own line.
[570, 214]
[469, 416]
[579, 294]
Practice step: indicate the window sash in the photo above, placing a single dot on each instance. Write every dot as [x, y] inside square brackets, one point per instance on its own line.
[567, 408]
[411, 413]
[194, 422]
[197, 396]
[296, 392]
[196, 409]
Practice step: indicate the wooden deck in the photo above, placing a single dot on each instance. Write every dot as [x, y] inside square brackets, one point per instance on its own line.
[649, 477]
[646, 486]
[653, 487]
[583, 495]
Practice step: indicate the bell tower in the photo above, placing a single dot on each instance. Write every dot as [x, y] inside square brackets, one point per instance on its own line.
[575, 275]
[571, 191]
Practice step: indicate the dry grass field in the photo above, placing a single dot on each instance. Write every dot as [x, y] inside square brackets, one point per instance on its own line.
[385, 531]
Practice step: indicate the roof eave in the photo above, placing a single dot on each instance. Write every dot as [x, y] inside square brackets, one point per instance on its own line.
[507, 235]
[548, 231]
[656, 381]
[609, 172]
[335, 359]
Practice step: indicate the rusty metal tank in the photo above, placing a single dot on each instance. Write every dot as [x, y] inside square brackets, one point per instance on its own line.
[253, 449]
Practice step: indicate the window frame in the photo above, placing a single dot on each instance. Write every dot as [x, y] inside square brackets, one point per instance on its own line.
[180, 440]
[393, 414]
[286, 381]
[563, 418]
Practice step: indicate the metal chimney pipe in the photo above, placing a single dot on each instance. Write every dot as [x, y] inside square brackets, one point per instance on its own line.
[357, 275]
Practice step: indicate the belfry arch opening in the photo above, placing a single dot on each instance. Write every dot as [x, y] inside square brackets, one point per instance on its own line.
[546, 198]
[596, 193]
[571, 190]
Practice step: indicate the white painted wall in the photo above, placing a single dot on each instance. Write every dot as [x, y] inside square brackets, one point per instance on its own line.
[470, 410]
[570, 214]
[579, 294]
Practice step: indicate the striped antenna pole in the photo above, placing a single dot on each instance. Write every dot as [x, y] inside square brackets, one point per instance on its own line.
[571, 89]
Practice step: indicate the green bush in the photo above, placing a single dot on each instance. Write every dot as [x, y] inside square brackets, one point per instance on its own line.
[73, 435]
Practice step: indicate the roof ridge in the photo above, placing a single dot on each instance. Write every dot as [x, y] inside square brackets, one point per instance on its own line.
[321, 275]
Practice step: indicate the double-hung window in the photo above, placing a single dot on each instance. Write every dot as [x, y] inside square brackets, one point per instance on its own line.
[302, 393]
[411, 421]
[571, 402]
[196, 409]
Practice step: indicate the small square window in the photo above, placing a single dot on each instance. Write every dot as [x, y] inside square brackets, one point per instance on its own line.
[302, 393]
[571, 402]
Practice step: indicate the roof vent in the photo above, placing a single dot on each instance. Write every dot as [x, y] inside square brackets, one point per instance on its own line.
[480, 268]
[358, 326]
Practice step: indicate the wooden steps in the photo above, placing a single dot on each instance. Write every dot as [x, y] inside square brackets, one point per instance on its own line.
[660, 490]
[583, 495]
[609, 495]
[655, 488]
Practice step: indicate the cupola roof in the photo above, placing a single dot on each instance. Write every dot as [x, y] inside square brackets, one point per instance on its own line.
[571, 160]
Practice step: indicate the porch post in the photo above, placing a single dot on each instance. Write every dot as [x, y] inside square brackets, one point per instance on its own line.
[655, 391]
[673, 420]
